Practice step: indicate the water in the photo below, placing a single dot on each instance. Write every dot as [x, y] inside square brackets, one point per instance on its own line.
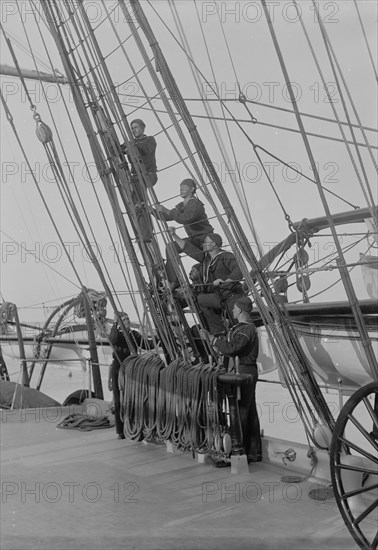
[60, 379]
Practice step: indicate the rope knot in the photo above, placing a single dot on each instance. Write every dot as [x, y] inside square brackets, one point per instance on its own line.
[242, 97]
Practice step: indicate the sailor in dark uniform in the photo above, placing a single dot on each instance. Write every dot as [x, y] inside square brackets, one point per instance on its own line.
[190, 212]
[146, 148]
[242, 341]
[121, 350]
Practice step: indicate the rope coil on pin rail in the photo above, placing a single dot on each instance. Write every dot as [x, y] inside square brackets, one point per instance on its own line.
[177, 403]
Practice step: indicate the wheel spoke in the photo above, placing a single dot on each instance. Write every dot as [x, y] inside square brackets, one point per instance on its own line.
[374, 543]
[359, 450]
[356, 469]
[368, 510]
[365, 433]
[360, 491]
[371, 412]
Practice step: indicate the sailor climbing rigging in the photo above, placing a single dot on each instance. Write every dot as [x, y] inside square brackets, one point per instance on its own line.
[220, 270]
[146, 146]
[191, 214]
[146, 153]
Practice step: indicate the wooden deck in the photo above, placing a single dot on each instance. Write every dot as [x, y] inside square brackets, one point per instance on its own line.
[65, 489]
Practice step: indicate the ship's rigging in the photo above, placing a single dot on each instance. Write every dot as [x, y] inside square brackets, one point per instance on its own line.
[101, 113]
[91, 70]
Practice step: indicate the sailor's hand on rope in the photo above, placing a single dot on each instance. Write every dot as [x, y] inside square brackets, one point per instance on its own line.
[205, 335]
[223, 282]
[161, 208]
[172, 231]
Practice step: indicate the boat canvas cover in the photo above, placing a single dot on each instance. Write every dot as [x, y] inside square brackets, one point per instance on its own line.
[25, 398]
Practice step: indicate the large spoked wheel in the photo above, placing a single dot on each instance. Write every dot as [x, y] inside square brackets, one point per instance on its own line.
[354, 465]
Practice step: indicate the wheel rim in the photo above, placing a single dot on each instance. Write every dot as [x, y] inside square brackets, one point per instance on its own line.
[354, 465]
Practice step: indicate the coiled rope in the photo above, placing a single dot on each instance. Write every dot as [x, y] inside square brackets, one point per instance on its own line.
[177, 403]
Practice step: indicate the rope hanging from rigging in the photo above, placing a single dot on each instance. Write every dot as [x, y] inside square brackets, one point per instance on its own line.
[179, 402]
